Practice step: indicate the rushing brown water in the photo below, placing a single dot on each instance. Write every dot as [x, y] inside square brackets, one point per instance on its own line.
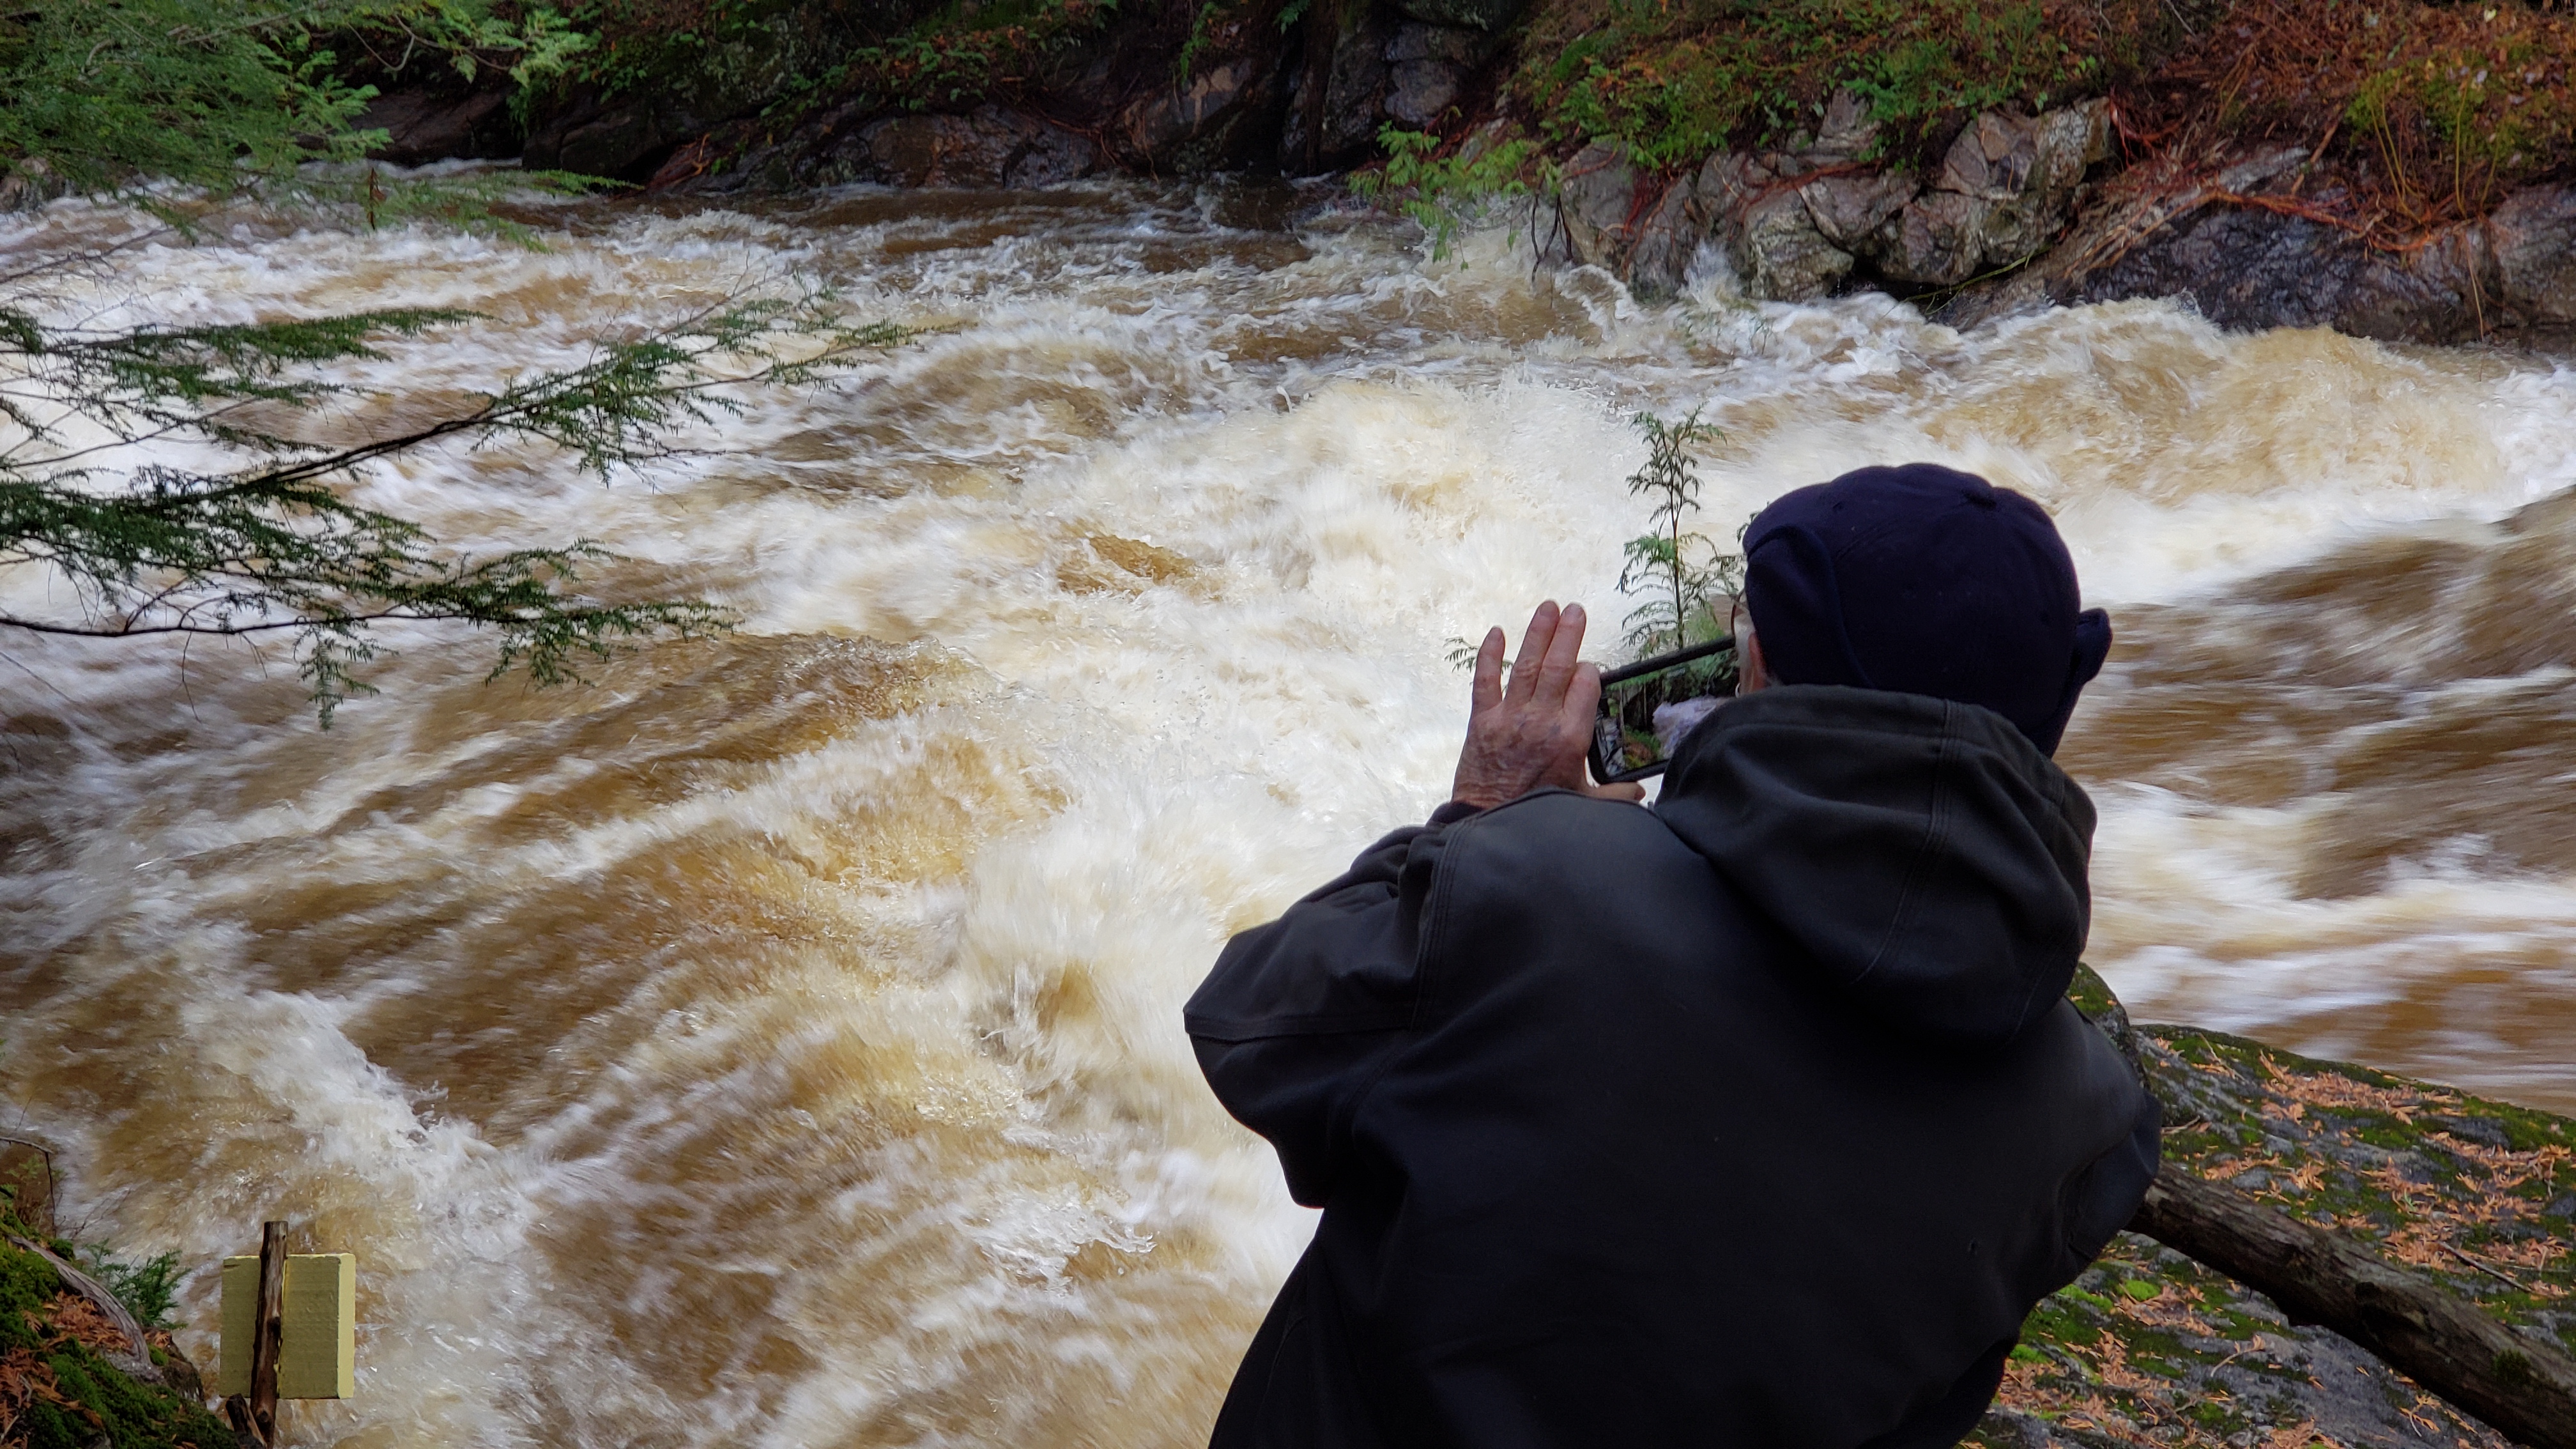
[778, 1042]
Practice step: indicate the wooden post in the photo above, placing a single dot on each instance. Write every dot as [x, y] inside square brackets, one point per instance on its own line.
[270, 1333]
[254, 1415]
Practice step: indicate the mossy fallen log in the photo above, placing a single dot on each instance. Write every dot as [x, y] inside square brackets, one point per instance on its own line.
[2467, 1199]
[2517, 1383]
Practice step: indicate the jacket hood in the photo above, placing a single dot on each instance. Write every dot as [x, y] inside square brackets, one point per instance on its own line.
[1927, 857]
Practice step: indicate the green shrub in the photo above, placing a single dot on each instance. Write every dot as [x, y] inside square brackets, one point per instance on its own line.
[1674, 82]
[149, 1289]
[1442, 192]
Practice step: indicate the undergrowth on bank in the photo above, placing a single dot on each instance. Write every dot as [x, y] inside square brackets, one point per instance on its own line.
[2415, 114]
[2429, 112]
[904, 56]
[1674, 82]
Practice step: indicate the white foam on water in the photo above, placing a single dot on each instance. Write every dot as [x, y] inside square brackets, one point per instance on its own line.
[779, 1042]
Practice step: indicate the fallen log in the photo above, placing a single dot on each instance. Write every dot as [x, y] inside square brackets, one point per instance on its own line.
[2522, 1386]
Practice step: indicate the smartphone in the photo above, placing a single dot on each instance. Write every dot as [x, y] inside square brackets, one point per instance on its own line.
[1648, 706]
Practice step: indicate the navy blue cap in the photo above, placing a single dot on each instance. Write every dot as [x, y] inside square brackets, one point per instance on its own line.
[1924, 580]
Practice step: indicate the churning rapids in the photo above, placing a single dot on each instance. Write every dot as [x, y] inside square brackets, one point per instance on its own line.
[778, 1041]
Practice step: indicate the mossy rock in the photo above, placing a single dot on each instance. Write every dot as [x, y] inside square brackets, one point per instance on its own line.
[74, 1397]
[2150, 1347]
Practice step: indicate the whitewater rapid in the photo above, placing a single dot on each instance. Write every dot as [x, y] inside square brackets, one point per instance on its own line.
[777, 1041]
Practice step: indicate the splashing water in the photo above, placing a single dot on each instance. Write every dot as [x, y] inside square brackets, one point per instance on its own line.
[778, 1041]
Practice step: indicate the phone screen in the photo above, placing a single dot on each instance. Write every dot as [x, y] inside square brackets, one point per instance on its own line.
[1648, 706]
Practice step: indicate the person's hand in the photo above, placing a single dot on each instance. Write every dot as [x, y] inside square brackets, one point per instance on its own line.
[1534, 733]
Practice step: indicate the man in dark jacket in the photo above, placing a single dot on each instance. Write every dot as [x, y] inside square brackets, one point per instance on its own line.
[1758, 1118]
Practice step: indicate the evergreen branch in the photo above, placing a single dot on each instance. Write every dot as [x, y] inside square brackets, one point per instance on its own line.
[278, 548]
[182, 108]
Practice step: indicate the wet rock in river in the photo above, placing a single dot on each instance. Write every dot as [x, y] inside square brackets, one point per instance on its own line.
[987, 147]
[2253, 269]
[2533, 236]
[1848, 209]
[1596, 204]
[1937, 240]
[1781, 255]
[1666, 242]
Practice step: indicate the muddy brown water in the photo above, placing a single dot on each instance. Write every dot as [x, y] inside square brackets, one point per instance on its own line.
[776, 1042]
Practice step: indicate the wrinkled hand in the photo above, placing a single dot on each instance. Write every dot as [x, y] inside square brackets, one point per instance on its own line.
[1534, 733]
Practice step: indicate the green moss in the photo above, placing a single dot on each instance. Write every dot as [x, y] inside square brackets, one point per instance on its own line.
[27, 1284]
[130, 1414]
[2150, 1340]
[133, 1414]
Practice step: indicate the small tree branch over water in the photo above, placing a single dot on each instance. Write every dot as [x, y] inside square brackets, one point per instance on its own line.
[1686, 576]
[274, 547]
[191, 109]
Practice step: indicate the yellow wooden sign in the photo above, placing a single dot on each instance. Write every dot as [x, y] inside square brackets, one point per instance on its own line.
[318, 1357]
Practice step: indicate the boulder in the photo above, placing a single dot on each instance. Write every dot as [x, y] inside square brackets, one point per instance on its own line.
[1439, 44]
[2454, 1194]
[625, 143]
[421, 126]
[1848, 208]
[2533, 239]
[1727, 183]
[1937, 240]
[1428, 67]
[1219, 116]
[1848, 132]
[1992, 159]
[1667, 239]
[2063, 144]
[2006, 188]
[29, 183]
[1781, 256]
[1596, 199]
[2251, 269]
[987, 147]
[1489, 16]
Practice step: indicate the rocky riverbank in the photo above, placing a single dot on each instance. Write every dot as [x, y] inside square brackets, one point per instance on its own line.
[2396, 170]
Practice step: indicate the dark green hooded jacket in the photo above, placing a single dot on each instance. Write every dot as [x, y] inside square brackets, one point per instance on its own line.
[1757, 1119]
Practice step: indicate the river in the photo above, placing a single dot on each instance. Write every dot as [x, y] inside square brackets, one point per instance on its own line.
[777, 1041]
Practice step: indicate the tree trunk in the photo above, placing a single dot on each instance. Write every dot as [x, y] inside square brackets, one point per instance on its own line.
[2523, 1386]
[1323, 37]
